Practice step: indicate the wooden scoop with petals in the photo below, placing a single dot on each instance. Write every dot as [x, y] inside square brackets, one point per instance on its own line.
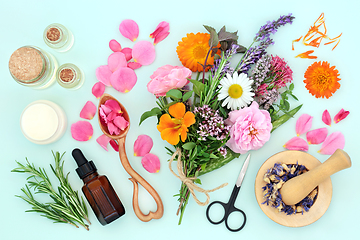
[135, 177]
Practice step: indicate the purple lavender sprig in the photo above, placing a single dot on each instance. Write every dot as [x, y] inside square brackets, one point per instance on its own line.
[271, 27]
[252, 55]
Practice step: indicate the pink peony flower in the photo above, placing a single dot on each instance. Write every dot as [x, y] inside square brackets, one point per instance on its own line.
[166, 78]
[250, 128]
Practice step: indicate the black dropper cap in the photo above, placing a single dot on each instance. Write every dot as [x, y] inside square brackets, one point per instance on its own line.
[85, 167]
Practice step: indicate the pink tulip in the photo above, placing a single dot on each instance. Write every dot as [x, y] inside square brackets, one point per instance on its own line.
[88, 111]
[342, 114]
[142, 145]
[129, 29]
[143, 52]
[334, 141]
[316, 136]
[81, 131]
[303, 124]
[161, 32]
[296, 143]
[98, 89]
[326, 117]
[151, 163]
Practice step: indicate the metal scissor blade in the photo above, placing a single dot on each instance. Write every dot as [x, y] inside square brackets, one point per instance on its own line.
[243, 171]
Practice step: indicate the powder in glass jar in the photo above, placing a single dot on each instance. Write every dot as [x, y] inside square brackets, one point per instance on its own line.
[53, 34]
[67, 75]
[26, 63]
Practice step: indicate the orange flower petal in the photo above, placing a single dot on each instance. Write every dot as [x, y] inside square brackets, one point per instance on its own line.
[177, 110]
[171, 135]
[306, 55]
[165, 122]
[189, 119]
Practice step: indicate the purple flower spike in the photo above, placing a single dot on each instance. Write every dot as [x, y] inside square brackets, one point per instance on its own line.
[271, 27]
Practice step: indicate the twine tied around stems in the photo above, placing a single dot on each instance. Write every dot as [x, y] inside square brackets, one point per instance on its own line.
[189, 181]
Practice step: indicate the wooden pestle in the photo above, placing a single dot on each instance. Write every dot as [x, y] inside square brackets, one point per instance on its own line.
[297, 188]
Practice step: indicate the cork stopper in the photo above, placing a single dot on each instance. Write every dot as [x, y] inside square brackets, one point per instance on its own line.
[26, 63]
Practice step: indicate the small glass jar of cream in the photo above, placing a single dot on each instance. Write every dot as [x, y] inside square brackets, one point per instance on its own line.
[33, 67]
[58, 37]
[69, 76]
[43, 122]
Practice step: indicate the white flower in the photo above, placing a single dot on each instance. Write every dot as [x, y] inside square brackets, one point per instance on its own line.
[236, 91]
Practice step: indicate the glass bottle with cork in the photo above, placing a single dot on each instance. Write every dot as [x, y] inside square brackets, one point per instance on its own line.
[98, 191]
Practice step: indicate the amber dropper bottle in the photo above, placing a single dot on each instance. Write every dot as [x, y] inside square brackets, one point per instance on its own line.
[98, 191]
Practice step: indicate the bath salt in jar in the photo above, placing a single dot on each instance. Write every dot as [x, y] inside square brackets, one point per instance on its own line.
[33, 67]
[58, 37]
[43, 122]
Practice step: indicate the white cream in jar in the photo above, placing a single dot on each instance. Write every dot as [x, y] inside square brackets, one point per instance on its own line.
[43, 122]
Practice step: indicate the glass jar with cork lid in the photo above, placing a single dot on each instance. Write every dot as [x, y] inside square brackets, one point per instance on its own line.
[58, 37]
[33, 67]
[69, 76]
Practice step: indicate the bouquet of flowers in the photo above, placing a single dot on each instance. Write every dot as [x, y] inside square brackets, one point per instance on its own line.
[226, 110]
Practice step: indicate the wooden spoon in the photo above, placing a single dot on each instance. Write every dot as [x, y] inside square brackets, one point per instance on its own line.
[297, 188]
[135, 177]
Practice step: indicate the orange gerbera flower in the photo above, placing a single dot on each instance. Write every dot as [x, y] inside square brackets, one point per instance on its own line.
[172, 129]
[192, 51]
[322, 80]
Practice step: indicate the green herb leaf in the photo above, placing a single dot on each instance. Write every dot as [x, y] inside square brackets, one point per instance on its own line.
[174, 93]
[189, 145]
[187, 95]
[198, 87]
[153, 112]
[214, 39]
[227, 36]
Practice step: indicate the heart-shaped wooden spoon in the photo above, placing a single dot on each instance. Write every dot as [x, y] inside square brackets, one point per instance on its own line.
[135, 177]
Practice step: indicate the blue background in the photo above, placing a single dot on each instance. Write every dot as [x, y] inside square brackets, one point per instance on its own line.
[94, 24]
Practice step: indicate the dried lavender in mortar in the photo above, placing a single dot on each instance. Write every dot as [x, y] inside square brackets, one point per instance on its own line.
[275, 177]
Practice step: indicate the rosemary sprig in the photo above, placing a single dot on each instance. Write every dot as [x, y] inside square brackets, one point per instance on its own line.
[66, 206]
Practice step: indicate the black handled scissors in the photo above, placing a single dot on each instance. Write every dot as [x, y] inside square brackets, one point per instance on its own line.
[229, 206]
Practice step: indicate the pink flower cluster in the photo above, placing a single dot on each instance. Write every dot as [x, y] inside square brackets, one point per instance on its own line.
[122, 63]
[168, 77]
[250, 128]
[330, 142]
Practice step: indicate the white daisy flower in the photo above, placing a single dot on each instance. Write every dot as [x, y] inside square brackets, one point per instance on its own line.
[236, 91]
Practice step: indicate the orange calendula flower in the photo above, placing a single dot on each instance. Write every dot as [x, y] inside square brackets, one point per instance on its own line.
[172, 129]
[192, 51]
[322, 80]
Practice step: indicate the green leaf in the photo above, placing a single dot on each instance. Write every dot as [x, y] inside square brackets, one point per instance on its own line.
[189, 145]
[187, 96]
[174, 93]
[291, 87]
[153, 112]
[281, 120]
[227, 36]
[198, 87]
[213, 156]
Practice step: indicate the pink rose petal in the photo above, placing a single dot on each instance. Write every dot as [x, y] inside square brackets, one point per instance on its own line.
[88, 111]
[142, 145]
[129, 29]
[151, 163]
[144, 52]
[342, 114]
[81, 131]
[113, 130]
[134, 65]
[116, 60]
[326, 117]
[114, 145]
[113, 105]
[334, 141]
[128, 53]
[296, 143]
[303, 124]
[161, 32]
[316, 136]
[103, 140]
[114, 45]
[98, 89]
[123, 79]
[120, 122]
[103, 74]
